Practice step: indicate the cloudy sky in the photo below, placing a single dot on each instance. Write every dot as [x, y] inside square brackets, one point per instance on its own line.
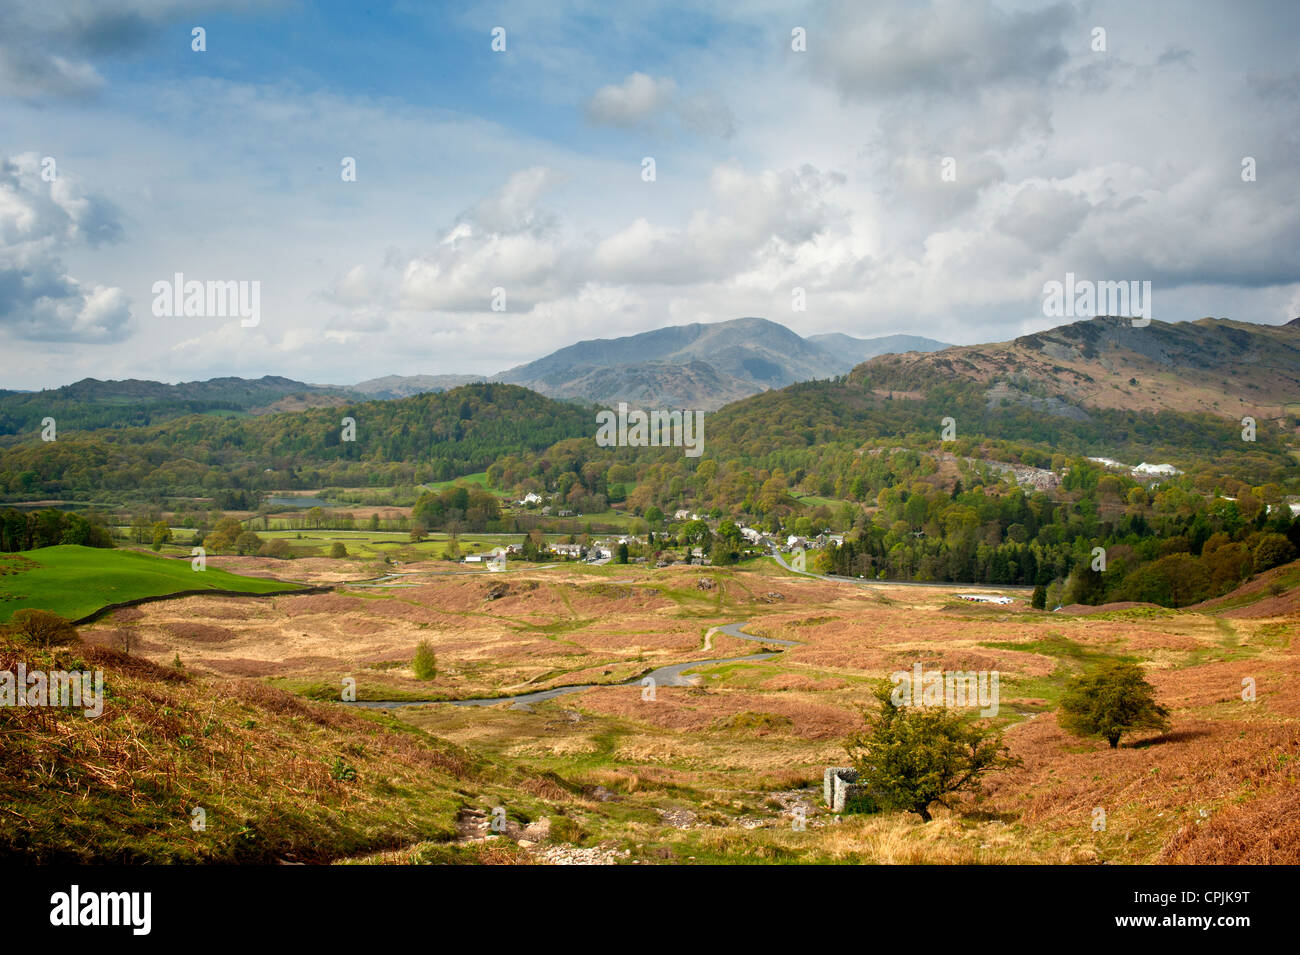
[126, 156]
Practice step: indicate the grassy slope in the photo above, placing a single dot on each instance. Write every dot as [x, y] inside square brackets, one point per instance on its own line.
[277, 777]
[74, 581]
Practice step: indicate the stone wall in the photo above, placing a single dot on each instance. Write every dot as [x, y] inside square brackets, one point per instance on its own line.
[840, 787]
[833, 778]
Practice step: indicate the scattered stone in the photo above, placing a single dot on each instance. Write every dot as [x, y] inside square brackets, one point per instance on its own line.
[678, 818]
[536, 832]
[704, 583]
[574, 855]
[497, 591]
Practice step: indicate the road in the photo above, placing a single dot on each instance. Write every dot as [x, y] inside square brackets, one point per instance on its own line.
[942, 584]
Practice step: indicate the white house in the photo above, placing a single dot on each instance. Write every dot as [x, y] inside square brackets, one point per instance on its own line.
[1166, 470]
[986, 598]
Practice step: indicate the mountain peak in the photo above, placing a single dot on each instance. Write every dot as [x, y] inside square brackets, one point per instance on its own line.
[701, 365]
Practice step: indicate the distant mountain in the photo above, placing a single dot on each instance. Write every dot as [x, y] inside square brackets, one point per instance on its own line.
[1212, 365]
[91, 403]
[698, 366]
[856, 350]
[403, 386]
[687, 366]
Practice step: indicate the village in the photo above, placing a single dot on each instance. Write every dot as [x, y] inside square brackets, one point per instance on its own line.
[661, 549]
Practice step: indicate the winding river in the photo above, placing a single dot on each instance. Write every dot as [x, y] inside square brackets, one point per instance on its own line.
[674, 674]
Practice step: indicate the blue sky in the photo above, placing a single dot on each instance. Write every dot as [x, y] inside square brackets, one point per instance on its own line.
[776, 169]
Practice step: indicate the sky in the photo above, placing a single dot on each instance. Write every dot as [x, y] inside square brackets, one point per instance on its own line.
[910, 167]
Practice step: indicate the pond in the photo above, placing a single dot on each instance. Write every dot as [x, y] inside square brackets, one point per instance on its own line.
[281, 502]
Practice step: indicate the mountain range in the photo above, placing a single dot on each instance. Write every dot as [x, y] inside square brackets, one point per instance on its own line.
[1226, 368]
[702, 366]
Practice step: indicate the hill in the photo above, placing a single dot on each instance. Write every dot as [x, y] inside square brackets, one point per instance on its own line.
[426, 437]
[1216, 366]
[403, 386]
[76, 581]
[271, 777]
[91, 403]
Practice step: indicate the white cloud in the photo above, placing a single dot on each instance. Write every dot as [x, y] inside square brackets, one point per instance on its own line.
[40, 220]
[631, 102]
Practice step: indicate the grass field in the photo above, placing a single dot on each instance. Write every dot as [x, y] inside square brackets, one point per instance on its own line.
[75, 581]
[478, 479]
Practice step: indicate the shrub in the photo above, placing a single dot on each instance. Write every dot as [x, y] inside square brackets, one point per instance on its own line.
[338, 550]
[425, 663]
[42, 628]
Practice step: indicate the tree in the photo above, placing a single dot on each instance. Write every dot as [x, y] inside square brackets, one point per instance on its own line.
[620, 555]
[1272, 550]
[1113, 699]
[418, 532]
[695, 533]
[1174, 580]
[278, 548]
[338, 549]
[425, 663]
[911, 757]
[140, 529]
[161, 534]
[247, 543]
[1039, 600]
[42, 628]
[224, 535]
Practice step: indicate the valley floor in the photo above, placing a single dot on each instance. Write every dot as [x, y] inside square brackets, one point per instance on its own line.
[727, 768]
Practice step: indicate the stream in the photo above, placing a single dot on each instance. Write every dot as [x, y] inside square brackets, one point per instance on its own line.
[674, 674]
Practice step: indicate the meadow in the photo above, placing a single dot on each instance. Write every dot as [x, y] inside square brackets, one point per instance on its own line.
[75, 581]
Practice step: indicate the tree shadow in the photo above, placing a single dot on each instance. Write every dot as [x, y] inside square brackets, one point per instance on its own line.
[1177, 736]
[984, 815]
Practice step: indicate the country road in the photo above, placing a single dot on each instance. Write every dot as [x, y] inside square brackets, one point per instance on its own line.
[863, 581]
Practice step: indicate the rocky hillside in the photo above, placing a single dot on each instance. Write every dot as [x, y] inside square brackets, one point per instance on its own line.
[1212, 365]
